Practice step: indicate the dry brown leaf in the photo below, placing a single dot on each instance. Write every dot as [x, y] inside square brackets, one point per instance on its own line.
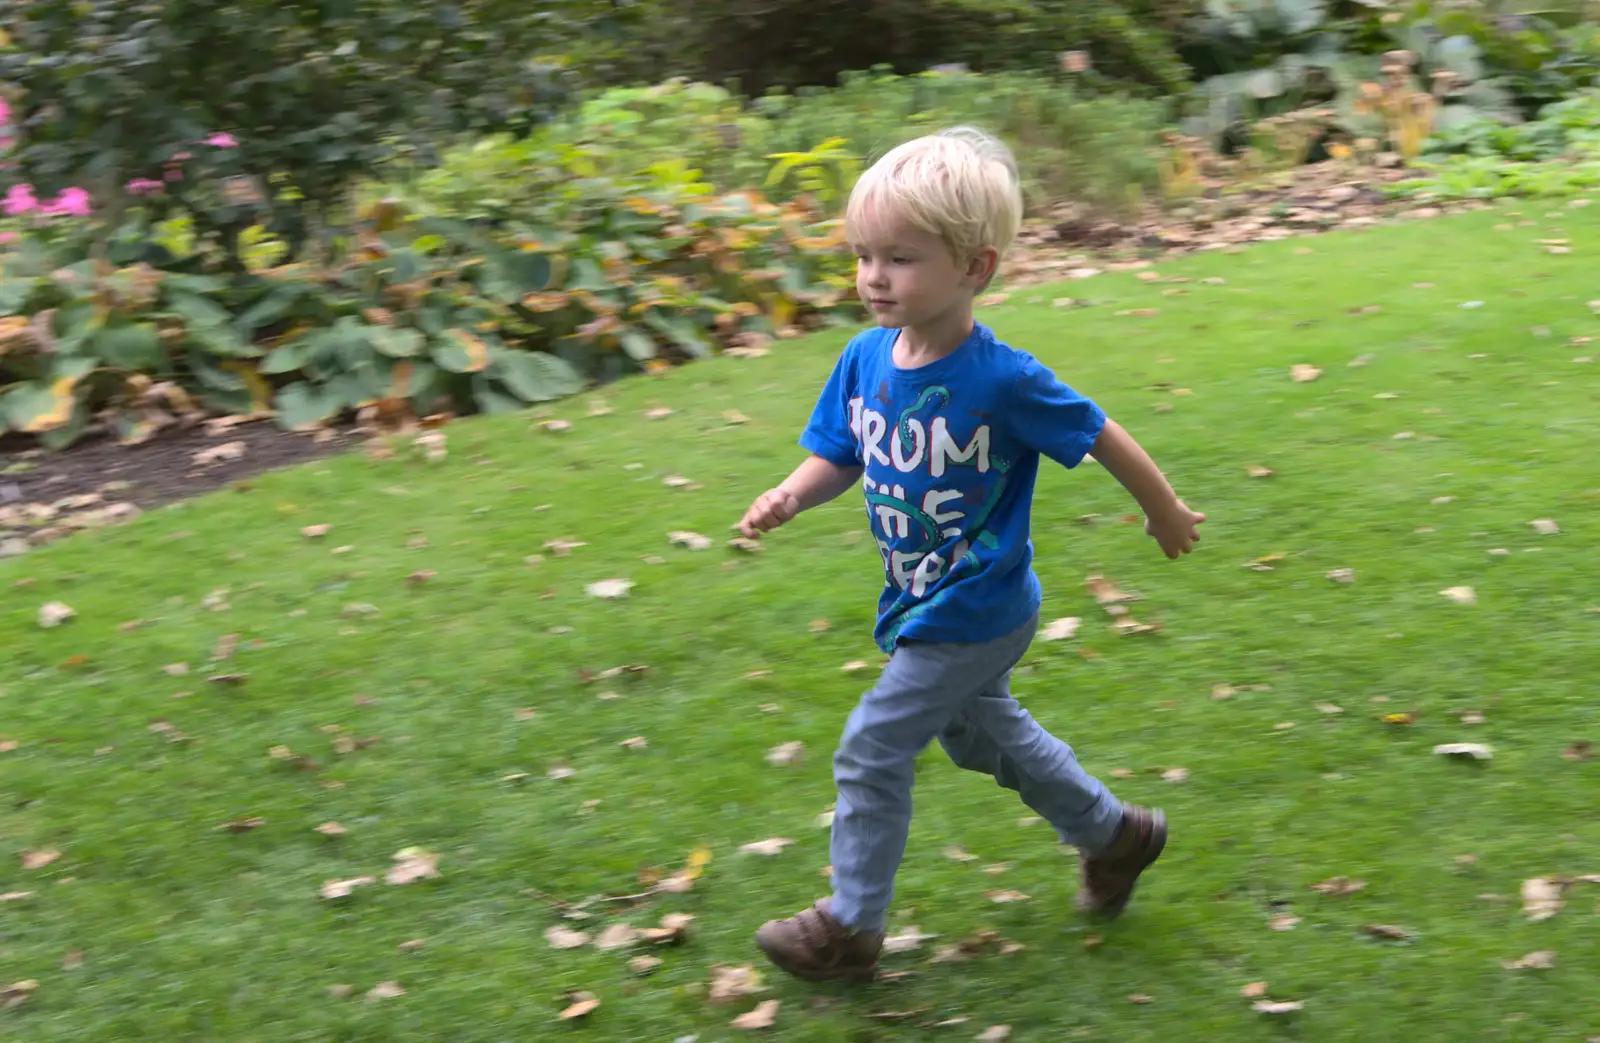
[1278, 1007]
[763, 1017]
[1545, 527]
[1304, 373]
[561, 937]
[786, 754]
[638, 742]
[642, 965]
[1541, 898]
[1329, 708]
[16, 896]
[691, 540]
[1387, 932]
[819, 626]
[1257, 471]
[993, 1034]
[17, 993]
[906, 940]
[746, 545]
[316, 532]
[1254, 991]
[72, 961]
[1284, 922]
[558, 772]
[412, 864]
[242, 825]
[1460, 595]
[1343, 575]
[1581, 750]
[733, 416]
[580, 1004]
[1339, 885]
[1175, 774]
[854, 665]
[730, 983]
[556, 427]
[617, 936]
[1140, 999]
[39, 859]
[1543, 960]
[54, 613]
[385, 990]
[343, 888]
[1061, 629]
[609, 589]
[1006, 897]
[1467, 750]
[768, 848]
[957, 853]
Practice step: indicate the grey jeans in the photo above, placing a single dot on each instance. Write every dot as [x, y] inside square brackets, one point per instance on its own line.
[961, 695]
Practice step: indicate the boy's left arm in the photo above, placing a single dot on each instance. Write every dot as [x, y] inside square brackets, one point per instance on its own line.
[1066, 426]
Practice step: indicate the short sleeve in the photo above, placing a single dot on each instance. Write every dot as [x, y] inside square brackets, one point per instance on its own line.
[828, 433]
[1049, 416]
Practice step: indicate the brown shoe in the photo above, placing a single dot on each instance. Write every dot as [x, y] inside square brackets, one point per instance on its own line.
[1109, 877]
[813, 945]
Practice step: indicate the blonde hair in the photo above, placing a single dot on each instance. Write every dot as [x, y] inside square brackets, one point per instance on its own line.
[960, 184]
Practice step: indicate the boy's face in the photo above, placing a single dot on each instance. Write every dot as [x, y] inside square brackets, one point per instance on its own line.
[907, 276]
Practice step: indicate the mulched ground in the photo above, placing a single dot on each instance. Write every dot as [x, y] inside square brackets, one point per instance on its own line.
[157, 472]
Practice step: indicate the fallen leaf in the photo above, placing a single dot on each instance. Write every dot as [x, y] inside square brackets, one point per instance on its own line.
[1541, 898]
[385, 990]
[854, 665]
[343, 888]
[677, 481]
[175, 669]
[1278, 1007]
[1329, 708]
[691, 540]
[17, 993]
[556, 427]
[1581, 750]
[1545, 527]
[219, 453]
[228, 680]
[1473, 750]
[906, 940]
[242, 825]
[1061, 629]
[730, 983]
[957, 853]
[54, 613]
[562, 548]
[746, 545]
[617, 936]
[39, 859]
[1254, 990]
[412, 864]
[1303, 373]
[609, 588]
[580, 1004]
[638, 742]
[558, 772]
[1006, 897]
[1399, 718]
[658, 413]
[994, 1034]
[1339, 885]
[733, 416]
[1543, 960]
[73, 960]
[316, 532]
[786, 754]
[1343, 575]
[644, 964]
[331, 829]
[762, 1017]
[561, 937]
[1140, 999]
[1284, 922]
[419, 577]
[1257, 471]
[1175, 774]
[768, 848]
[1460, 595]
[16, 896]
[1387, 932]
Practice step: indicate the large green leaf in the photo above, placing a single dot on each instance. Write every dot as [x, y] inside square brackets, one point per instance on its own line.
[135, 347]
[461, 351]
[303, 403]
[513, 274]
[534, 376]
[681, 332]
[268, 310]
[396, 342]
[45, 405]
[288, 357]
[639, 345]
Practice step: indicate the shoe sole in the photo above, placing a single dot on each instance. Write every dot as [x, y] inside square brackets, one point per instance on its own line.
[1158, 844]
[852, 974]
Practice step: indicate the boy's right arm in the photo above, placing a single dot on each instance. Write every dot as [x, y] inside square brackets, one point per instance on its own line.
[814, 482]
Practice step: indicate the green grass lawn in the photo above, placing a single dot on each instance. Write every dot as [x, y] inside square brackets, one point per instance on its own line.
[191, 933]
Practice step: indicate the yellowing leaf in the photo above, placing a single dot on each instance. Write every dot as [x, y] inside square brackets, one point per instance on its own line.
[1535, 961]
[343, 888]
[477, 352]
[1304, 373]
[412, 864]
[62, 400]
[561, 937]
[38, 859]
[1541, 898]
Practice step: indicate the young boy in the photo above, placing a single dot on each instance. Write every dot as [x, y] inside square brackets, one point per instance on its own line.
[944, 425]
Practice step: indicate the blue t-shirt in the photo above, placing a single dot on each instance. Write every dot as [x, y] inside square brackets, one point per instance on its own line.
[950, 451]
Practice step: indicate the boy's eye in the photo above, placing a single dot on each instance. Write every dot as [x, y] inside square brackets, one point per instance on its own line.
[900, 260]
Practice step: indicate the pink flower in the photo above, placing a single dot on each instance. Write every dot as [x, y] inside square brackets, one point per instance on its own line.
[8, 237]
[19, 200]
[72, 202]
[173, 175]
[222, 139]
[5, 112]
[144, 186]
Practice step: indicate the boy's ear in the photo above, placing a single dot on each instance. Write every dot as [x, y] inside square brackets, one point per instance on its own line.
[981, 267]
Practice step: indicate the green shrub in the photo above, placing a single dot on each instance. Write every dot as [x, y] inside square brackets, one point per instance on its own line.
[1558, 154]
[1069, 147]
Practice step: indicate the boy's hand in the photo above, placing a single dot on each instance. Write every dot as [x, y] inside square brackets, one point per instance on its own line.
[771, 509]
[1177, 528]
